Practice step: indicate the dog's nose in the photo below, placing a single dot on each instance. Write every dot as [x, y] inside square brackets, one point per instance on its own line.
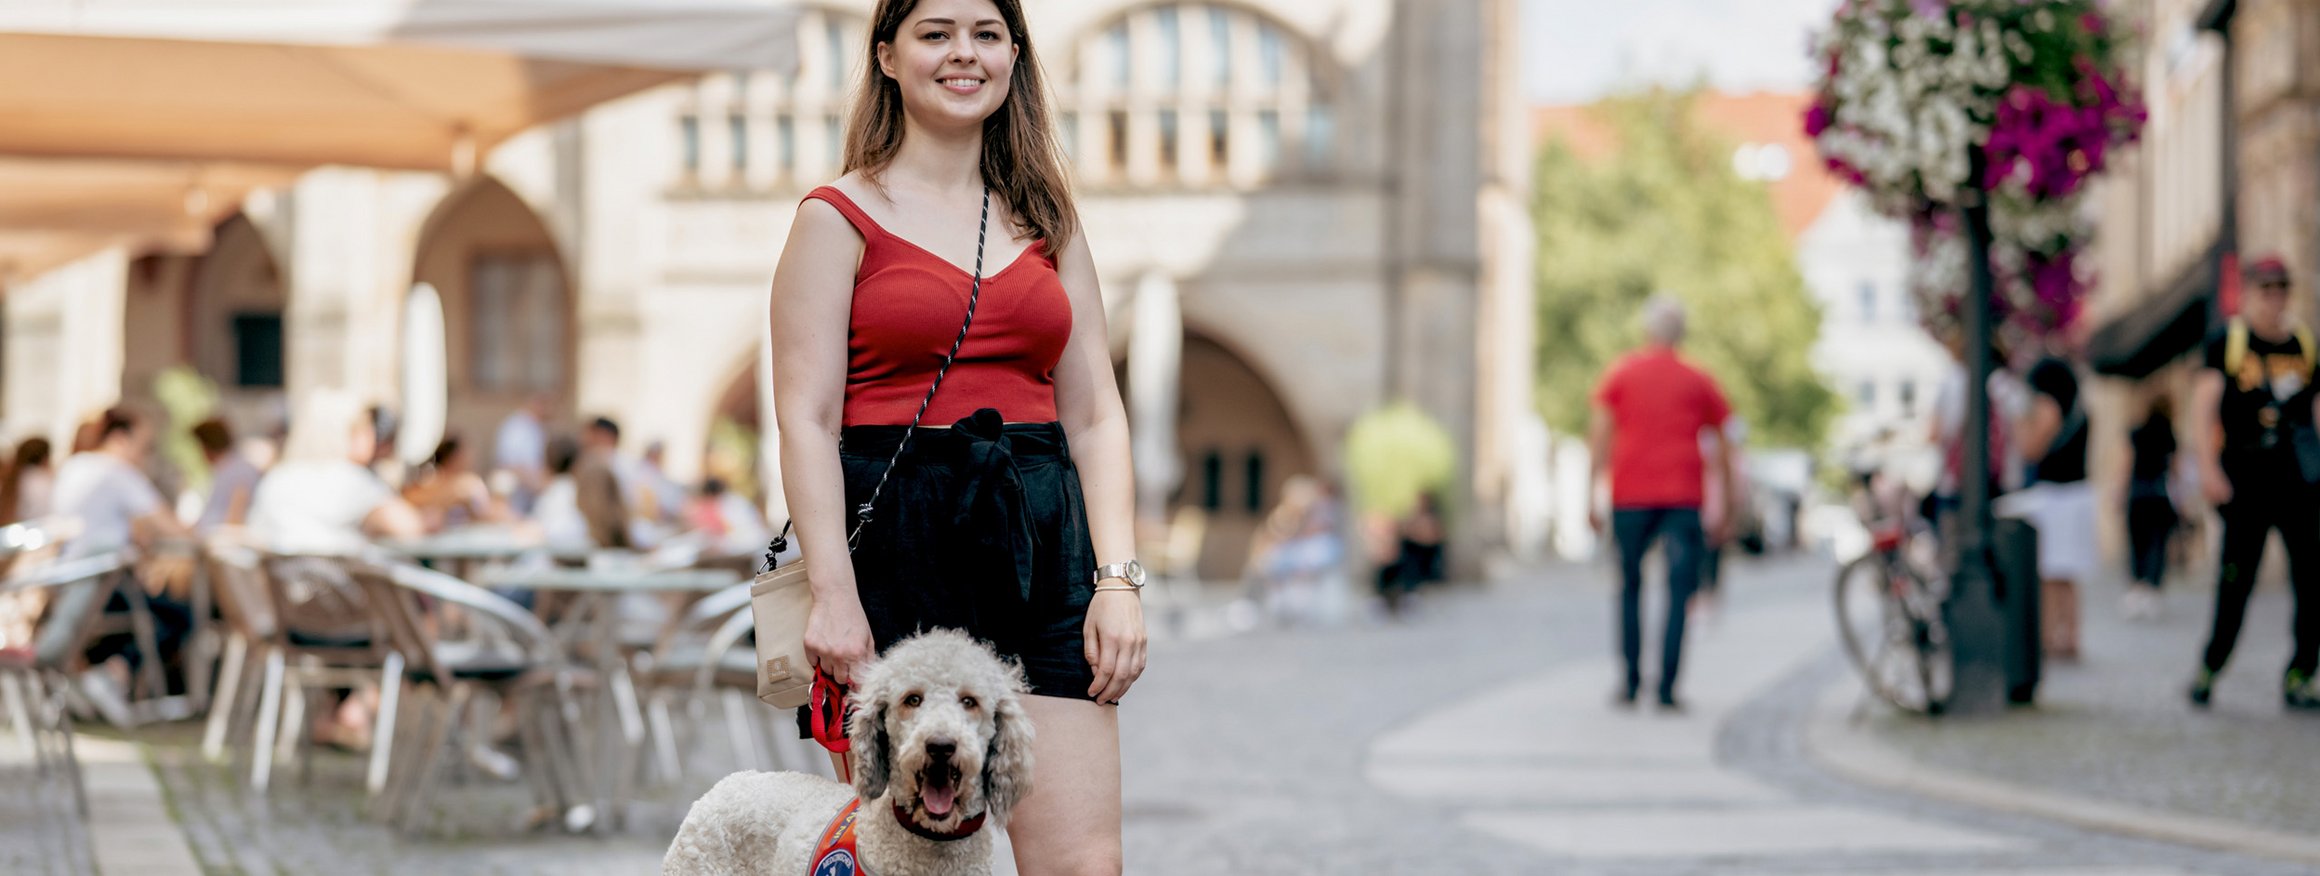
[940, 750]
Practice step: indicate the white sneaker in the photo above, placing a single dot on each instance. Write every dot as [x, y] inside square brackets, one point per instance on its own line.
[2140, 603]
[105, 697]
[494, 763]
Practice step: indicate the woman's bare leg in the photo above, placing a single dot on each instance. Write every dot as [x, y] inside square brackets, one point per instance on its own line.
[1070, 824]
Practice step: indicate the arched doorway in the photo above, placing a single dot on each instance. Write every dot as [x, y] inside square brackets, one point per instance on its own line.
[1239, 447]
[510, 332]
[234, 329]
[732, 447]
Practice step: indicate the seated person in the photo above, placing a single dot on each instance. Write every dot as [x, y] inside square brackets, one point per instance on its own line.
[448, 492]
[322, 497]
[116, 507]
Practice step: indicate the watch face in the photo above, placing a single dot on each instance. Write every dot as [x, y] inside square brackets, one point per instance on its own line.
[1135, 573]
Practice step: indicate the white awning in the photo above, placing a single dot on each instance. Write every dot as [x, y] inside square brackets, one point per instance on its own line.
[115, 113]
[414, 84]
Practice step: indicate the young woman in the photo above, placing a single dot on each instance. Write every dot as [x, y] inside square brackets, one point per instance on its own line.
[449, 494]
[1009, 511]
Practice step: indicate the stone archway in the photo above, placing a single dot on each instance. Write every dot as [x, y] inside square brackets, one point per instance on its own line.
[510, 330]
[219, 313]
[734, 442]
[234, 332]
[1240, 444]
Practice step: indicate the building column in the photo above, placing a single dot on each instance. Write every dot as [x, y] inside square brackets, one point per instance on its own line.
[64, 346]
[352, 242]
[1155, 369]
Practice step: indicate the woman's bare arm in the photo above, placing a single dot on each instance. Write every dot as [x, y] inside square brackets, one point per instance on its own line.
[1087, 401]
[813, 296]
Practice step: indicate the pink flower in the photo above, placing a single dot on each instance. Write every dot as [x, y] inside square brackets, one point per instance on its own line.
[1816, 119]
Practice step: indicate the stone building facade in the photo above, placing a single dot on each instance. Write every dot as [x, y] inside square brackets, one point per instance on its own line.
[1300, 209]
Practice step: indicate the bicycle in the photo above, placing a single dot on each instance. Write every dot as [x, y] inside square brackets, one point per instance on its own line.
[1889, 610]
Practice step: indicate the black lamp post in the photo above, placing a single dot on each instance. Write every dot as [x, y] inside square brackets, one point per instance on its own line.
[1976, 618]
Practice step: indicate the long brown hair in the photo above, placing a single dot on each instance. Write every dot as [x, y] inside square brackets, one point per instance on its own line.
[31, 454]
[1022, 159]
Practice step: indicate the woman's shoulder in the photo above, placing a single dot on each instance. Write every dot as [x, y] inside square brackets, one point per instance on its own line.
[834, 213]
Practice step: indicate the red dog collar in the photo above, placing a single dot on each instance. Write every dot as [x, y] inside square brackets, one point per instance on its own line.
[965, 829]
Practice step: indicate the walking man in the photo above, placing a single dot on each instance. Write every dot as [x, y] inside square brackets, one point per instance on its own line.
[1654, 414]
[2256, 396]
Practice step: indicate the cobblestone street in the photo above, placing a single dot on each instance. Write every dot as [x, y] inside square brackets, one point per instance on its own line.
[1476, 736]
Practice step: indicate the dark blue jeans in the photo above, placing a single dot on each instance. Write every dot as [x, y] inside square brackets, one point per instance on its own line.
[1635, 529]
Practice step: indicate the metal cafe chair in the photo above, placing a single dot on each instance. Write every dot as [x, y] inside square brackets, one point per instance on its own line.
[731, 674]
[673, 668]
[36, 681]
[512, 657]
[319, 633]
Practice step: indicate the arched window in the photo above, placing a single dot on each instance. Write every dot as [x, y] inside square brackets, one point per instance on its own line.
[1196, 95]
[760, 130]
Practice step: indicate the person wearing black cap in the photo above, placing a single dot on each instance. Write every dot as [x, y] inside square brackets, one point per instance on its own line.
[2259, 466]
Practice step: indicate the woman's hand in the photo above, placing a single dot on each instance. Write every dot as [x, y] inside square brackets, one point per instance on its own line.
[2216, 485]
[838, 636]
[1115, 643]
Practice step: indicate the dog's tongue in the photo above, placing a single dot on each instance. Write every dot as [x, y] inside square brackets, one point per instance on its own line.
[939, 800]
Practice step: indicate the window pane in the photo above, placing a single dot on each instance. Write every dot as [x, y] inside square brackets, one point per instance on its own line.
[1868, 296]
[739, 126]
[785, 144]
[1220, 46]
[1219, 138]
[1269, 139]
[258, 350]
[834, 132]
[1320, 135]
[1256, 476]
[1212, 481]
[544, 320]
[1171, 48]
[1120, 66]
[838, 58]
[489, 290]
[1866, 394]
[689, 127]
[1168, 141]
[1119, 134]
[1271, 55]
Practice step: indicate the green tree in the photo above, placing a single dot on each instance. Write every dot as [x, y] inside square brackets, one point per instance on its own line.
[1666, 212]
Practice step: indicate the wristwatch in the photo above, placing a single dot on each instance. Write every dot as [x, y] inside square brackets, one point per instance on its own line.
[1130, 571]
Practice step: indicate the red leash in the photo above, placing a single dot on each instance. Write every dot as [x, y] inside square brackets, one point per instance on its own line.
[826, 719]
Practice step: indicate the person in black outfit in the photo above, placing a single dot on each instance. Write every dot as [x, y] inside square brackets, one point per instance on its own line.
[2151, 516]
[2059, 502]
[2256, 394]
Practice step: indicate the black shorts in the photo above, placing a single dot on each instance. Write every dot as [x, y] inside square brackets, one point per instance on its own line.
[983, 529]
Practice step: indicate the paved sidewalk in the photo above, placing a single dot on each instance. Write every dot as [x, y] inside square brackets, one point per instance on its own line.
[2116, 729]
[1548, 765]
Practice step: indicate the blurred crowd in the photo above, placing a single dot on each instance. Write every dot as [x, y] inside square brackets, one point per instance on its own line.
[330, 483]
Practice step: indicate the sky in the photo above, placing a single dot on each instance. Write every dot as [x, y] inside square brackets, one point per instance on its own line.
[1578, 50]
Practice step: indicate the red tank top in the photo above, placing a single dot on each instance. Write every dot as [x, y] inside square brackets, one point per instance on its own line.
[908, 304]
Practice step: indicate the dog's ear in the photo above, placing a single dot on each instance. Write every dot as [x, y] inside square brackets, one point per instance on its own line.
[866, 740]
[1007, 765]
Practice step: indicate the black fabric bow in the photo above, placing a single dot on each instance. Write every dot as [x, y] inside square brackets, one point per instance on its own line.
[992, 515]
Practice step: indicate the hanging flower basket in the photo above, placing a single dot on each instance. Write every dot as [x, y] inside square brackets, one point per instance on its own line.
[1910, 88]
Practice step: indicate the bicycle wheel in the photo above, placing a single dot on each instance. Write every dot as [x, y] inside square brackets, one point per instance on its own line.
[1892, 632]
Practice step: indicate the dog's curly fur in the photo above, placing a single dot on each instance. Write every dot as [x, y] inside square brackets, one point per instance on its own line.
[934, 709]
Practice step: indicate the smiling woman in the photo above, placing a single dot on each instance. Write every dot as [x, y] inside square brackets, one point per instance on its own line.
[954, 199]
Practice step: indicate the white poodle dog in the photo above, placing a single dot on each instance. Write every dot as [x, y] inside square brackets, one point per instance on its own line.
[936, 709]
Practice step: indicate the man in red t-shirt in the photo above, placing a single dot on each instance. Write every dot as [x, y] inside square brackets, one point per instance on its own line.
[1653, 414]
